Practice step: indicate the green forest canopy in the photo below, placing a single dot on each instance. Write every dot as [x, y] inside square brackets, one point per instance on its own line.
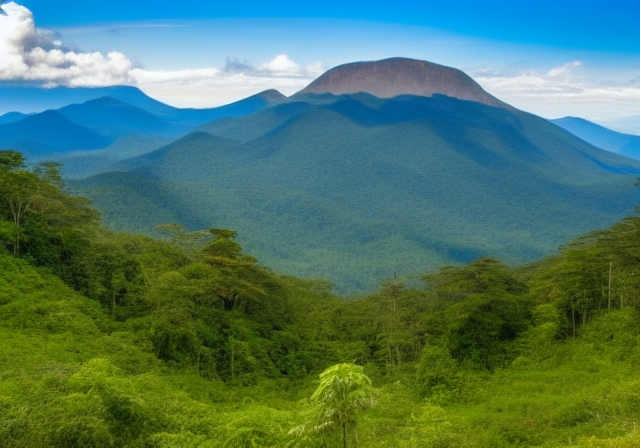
[121, 340]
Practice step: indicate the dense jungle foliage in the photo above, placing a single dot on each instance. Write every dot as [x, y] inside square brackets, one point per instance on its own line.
[122, 340]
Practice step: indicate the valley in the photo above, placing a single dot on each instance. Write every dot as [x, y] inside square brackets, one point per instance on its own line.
[458, 272]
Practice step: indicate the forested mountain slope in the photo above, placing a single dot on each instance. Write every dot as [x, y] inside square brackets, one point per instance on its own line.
[320, 186]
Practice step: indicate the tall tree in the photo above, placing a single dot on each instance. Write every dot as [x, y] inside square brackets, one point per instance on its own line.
[344, 392]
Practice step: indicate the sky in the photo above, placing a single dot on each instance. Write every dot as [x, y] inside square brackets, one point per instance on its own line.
[552, 58]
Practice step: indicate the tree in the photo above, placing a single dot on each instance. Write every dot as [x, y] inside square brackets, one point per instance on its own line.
[239, 282]
[37, 219]
[344, 391]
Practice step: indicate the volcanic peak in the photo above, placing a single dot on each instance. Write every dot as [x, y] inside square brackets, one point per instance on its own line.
[392, 77]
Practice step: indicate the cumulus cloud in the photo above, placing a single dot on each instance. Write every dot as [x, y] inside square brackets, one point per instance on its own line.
[281, 65]
[560, 91]
[31, 54]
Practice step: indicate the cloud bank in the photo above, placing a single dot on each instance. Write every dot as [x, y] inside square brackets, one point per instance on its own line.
[29, 55]
[38, 56]
[561, 91]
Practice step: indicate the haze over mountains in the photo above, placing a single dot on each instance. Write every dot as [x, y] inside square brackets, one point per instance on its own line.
[376, 168]
[601, 137]
[126, 110]
[626, 125]
[122, 124]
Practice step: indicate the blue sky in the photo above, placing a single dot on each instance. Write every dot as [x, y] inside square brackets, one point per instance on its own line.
[553, 58]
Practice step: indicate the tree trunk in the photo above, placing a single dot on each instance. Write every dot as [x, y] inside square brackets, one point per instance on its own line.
[233, 356]
[610, 263]
[344, 434]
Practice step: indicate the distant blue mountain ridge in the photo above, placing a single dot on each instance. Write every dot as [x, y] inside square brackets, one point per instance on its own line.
[601, 137]
[113, 117]
[30, 99]
[49, 132]
[118, 111]
[101, 116]
[11, 117]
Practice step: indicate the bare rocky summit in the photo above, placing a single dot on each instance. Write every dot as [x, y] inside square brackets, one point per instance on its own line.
[400, 76]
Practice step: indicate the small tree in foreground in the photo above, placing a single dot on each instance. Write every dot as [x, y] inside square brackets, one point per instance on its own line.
[344, 391]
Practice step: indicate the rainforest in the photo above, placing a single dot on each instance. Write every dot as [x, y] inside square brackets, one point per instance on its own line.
[184, 340]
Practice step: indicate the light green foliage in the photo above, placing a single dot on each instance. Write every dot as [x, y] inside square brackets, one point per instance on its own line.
[438, 375]
[598, 271]
[433, 427]
[343, 392]
[123, 341]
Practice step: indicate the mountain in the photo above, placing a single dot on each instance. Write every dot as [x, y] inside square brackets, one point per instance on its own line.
[355, 188]
[118, 128]
[113, 117]
[35, 99]
[29, 99]
[626, 125]
[195, 117]
[48, 132]
[623, 144]
[400, 76]
[12, 117]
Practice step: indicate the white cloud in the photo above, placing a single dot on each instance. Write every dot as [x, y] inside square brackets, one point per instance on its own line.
[281, 65]
[564, 71]
[198, 75]
[315, 69]
[30, 55]
[560, 91]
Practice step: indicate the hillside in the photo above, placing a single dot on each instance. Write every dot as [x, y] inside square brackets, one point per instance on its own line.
[120, 340]
[355, 188]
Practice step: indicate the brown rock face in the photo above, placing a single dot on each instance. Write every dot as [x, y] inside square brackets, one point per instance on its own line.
[400, 76]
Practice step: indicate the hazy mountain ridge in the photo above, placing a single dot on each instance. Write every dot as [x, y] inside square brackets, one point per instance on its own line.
[47, 132]
[626, 125]
[12, 117]
[601, 137]
[106, 123]
[114, 117]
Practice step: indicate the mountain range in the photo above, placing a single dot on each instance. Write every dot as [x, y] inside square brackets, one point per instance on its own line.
[601, 137]
[375, 169]
[89, 137]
